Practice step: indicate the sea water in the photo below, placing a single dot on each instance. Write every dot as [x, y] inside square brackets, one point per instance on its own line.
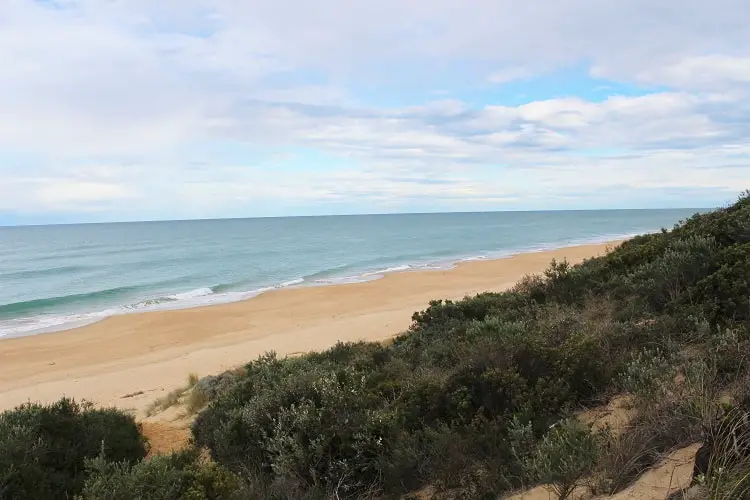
[62, 276]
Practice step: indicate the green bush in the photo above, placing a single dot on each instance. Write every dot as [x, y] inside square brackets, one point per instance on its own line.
[43, 448]
[723, 294]
[409, 406]
[667, 279]
[319, 426]
[648, 375]
[564, 457]
[729, 351]
[179, 476]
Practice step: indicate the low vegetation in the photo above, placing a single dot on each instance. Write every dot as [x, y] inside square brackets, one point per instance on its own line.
[179, 476]
[44, 449]
[565, 456]
[193, 395]
[479, 397]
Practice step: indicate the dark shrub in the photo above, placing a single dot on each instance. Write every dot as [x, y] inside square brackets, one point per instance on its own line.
[179, 476]
[564, 457]
[43, 447]
[319, 426]
[724, 294]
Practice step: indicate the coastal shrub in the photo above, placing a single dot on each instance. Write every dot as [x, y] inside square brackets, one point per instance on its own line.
[648, 374]
[723, 294]
[729, 351]
[564, 457]
[474, 462]
[275, 419]
[438, 397]
[209, 386]
[728, 226]
[43, 448]
[664, 281]
[179, 476]
[319, 426]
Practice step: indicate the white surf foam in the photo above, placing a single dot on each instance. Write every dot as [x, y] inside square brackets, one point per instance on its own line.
[19, 327]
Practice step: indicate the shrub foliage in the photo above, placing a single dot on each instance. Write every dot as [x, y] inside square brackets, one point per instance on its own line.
[179, 476]
[43, 448]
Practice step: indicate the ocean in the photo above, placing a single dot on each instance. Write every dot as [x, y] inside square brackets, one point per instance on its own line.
[62, 276]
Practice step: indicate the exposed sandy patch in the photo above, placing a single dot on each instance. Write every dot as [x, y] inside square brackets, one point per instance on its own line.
[165, 438]
[617, 415]
[545, 492]
[537, 493]
[671, 475]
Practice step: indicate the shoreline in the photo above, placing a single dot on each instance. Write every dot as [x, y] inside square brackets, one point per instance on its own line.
[150, 353]
[207, 296]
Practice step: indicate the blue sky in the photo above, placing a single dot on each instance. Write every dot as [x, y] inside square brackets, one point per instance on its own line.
[132, 110]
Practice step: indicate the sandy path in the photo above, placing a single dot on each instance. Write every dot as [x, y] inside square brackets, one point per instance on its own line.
[150, 353]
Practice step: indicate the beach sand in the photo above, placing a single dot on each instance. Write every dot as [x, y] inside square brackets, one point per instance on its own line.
[128, 361]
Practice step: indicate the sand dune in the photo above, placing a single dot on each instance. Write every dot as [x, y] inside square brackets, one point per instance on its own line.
[130, 360]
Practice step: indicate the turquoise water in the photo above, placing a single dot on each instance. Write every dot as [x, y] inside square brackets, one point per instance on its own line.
[58, 277]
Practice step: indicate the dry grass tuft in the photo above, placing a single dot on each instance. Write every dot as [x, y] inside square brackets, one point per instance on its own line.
[171, 399]
[197, 399]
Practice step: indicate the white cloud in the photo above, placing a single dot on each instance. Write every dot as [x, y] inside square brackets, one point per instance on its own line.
[130, 86]
[40, 194]
[509, 75]
[63, 192]
[717, 72]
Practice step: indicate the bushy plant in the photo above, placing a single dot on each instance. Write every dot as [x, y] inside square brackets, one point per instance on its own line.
[649, 374]
[43, 448]
[564, 457]
[179, 476]
[319, 426]
[729, 351]
[723, 294]
[667, 280]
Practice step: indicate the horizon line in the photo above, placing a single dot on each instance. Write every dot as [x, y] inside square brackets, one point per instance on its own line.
[385, 214]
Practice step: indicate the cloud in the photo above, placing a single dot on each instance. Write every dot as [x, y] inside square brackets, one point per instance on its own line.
[450, 130]
[111, 101]
[509, 75]
[63, 192]
[716, 72]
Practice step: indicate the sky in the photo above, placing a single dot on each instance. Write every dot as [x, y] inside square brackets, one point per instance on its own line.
[142, 110]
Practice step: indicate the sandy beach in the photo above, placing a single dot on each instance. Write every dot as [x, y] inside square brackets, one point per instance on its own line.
[148, 354]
